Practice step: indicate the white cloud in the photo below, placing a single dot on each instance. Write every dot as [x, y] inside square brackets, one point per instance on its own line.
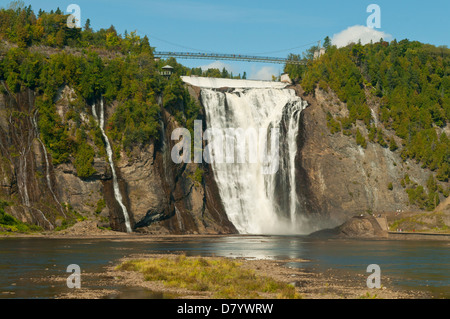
[356, 33]
[264, 73]
[256, 73]
[218, 65]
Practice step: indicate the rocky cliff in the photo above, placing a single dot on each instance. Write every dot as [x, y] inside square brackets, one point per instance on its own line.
[160, 196]
[29, 194]
[338, 177]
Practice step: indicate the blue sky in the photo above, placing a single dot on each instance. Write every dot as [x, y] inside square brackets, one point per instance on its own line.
[256, 27]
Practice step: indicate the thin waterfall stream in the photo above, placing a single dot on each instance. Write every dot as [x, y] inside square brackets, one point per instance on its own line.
[47, 166]
[101, 122]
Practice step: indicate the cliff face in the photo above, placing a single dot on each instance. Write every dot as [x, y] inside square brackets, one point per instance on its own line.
[336, 178]
[341, 178]
[23, 168]
[168, 198]
[160, 196]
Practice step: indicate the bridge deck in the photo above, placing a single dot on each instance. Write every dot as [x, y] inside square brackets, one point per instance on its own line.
[234, 57]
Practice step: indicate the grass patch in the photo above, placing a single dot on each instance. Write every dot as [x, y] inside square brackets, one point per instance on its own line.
[9, 223]
[197, 177]
[424, 222]
[100, 205]
[223, 277]
[368, 295]
[73, 217]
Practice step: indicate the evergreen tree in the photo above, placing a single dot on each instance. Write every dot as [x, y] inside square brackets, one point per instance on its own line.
[327, 43]
[87, 25]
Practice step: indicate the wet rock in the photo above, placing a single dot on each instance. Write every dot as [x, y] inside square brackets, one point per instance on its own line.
[355, 227]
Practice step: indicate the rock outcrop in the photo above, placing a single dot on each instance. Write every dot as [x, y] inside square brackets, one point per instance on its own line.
[355, 227]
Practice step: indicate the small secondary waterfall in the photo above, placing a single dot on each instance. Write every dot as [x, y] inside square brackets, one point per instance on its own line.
[101, 121]
[23, 178]
[23, 147]
[47, 165]
[45, 219]
[257, 203]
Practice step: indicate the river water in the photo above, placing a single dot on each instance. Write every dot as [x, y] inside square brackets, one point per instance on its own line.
[416, 265]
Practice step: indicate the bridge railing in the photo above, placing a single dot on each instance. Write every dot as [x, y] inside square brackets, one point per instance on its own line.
[234, 57]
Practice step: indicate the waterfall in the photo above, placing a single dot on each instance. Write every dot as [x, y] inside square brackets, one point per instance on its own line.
[374, 116]
[45, 219]
[47, 165]
[117, 194]
[23, 175]
[257, 203]
[292, 152]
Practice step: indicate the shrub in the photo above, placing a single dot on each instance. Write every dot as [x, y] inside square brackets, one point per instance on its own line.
[84, 158]
[360, 139]
[13, 224]
[392, 145]
[100, 205]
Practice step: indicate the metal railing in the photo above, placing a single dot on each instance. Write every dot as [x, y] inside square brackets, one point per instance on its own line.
[234, 57]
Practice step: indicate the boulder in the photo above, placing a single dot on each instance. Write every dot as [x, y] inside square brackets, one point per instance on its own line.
[356, 227]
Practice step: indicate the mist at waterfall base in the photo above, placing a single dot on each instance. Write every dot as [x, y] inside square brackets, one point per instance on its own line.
[255, 202]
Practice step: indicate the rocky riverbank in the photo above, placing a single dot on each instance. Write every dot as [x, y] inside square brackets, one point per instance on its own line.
[365, 227]
[384, 227]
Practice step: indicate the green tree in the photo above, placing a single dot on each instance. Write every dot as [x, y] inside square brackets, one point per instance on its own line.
[327, 43]
[84, 158]
[212, 73]
[392, 145]
[360, 139]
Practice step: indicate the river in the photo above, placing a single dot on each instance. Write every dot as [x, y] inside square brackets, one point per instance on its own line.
[416, 265]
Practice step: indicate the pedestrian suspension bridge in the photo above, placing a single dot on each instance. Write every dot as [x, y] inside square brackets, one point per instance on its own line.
[233, 57]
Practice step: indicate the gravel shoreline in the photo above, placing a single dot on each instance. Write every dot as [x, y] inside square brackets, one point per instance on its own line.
[309, 283]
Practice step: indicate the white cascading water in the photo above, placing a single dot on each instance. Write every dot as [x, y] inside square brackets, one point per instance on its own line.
[101, 121]
[257, 203]
[47, 165]
[23, 174]
[45, 219]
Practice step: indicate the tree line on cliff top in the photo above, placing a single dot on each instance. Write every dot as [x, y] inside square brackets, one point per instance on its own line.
[410, 82]
[40, 53]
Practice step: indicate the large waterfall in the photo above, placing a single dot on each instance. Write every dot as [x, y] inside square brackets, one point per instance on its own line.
[256, 202]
